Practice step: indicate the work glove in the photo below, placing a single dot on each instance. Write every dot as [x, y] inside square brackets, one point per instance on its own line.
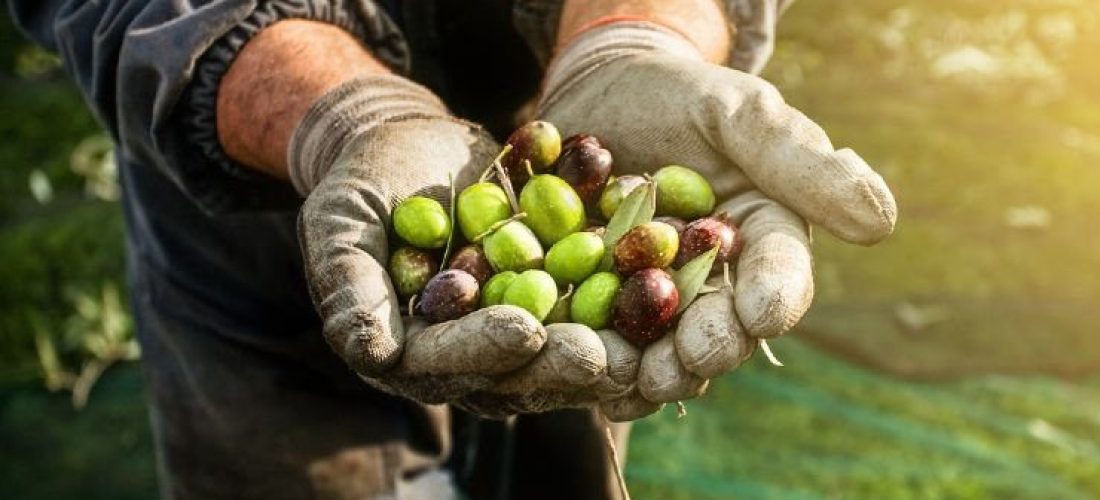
[651, 98]
[359, 151]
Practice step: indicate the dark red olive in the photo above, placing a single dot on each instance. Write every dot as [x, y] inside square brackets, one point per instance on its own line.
[585, 165]
[537, 142]
[471, 258]
[645, 307]
[449, 295]
[701, 235]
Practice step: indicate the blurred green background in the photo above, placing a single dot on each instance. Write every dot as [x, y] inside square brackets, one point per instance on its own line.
[959, 359]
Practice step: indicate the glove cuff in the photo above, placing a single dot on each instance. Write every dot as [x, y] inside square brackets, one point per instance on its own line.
[602, 45]
[354, 109]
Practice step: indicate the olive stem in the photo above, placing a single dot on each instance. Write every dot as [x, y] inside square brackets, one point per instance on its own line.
[726, 275]
[527, 166]
[412, 306]
[609, 441]
[506, 182]
[768, 352]
[681, 410]
[497, 225]
[451, 236]
[492, 164]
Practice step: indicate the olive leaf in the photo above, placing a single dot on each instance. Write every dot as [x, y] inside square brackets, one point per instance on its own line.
[691, 278]
[636, 209]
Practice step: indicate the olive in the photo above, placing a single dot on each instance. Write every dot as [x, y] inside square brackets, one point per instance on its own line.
[533, 290]
[471, 258]
[574, 258]
[513, 247]
[585, 165]
[553, 209]
[479, 207]
[677, 223]
[701, 235]
[682, 192]
[422, 222]
[645, 306]
[410, 269]
[591, 304]
[449, 295]
[616, 191]
[652, 244]
[492, 293]
[537, 142]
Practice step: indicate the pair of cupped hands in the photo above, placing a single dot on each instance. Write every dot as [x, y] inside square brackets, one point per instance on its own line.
[651, 101]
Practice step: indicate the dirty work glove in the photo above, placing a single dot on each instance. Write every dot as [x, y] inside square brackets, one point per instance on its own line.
[360, 150]
[649, 96]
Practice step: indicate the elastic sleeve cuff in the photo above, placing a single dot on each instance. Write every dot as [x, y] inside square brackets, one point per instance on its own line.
[221, 184]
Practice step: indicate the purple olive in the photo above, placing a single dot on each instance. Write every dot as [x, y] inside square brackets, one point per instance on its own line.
[449, 295]
[585, 165]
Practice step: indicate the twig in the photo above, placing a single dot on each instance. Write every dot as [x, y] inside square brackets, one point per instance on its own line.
[497, 225]
[726, 275]
[505, 181]
[454, 225]
[768, 352]
[609, 441]
[491, 168]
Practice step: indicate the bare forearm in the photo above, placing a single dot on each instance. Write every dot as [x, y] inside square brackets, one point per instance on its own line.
[700, 21]
[273, 82]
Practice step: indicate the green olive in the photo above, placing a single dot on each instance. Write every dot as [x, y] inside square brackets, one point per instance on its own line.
[574, 258]
[618, 188]
[410, 269]
[493, 292]
[533, 290]
[422, 222]
[513, 247]
[554, 210]
[479, 207]
[591, 304]
[683, 193]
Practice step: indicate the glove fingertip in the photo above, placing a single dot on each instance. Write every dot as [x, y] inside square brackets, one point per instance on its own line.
[630, 407]
[364, 339]
[868, 209]
[709, 339]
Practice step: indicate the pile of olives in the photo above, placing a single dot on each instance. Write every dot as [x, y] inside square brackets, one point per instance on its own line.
[561, 249]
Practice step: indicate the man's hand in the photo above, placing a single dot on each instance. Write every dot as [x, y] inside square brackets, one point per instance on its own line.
[650, 96]
[304, 101]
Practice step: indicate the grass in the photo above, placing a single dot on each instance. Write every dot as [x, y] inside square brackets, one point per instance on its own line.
[959, 359]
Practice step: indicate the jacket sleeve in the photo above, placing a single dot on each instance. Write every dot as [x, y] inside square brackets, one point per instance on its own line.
[150, 71]
[753, 23]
